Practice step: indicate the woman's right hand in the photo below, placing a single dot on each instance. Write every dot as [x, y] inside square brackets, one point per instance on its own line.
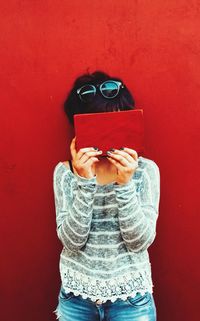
[84, 159]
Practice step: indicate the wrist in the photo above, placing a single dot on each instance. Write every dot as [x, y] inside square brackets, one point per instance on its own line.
[125, 186]
[122, 183]
[84, 176]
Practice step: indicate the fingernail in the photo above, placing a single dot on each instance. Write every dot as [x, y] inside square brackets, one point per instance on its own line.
[108, 152]
[112, 150]
[121, 148]
[96, 148]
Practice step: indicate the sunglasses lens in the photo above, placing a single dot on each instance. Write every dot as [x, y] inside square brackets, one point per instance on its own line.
[109, 89]
[87, 93]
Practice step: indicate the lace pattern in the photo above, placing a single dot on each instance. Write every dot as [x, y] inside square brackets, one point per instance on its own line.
[121, 287]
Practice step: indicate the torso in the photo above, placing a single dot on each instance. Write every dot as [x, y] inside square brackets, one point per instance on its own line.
[105, 177]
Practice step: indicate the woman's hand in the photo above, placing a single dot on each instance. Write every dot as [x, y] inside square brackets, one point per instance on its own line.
[126, 162]
[84, 159]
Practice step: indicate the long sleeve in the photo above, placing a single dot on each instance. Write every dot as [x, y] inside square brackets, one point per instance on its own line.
[138, 213]
[73, 212]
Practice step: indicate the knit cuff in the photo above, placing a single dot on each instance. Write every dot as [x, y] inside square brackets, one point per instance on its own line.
[125, 187]
[83, 181]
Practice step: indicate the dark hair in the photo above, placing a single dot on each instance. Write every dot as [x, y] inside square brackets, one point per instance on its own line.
[73, 105]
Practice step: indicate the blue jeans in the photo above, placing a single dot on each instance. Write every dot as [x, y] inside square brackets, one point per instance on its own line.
[75, 308]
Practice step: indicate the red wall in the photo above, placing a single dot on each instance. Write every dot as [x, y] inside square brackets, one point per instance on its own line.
[154, 46]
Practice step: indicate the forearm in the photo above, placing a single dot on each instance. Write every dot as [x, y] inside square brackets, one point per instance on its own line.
[136, 224]
[74, 229]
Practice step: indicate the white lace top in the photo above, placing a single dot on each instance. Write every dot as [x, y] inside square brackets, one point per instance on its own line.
[106, 231]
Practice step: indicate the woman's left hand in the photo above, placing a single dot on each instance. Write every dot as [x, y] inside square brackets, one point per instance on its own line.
[126, 162]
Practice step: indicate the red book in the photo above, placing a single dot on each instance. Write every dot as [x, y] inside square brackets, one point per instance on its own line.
[110, 130]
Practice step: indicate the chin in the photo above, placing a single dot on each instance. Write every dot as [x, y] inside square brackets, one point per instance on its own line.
[102, 156]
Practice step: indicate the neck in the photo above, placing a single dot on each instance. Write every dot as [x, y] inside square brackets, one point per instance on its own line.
[104, 164]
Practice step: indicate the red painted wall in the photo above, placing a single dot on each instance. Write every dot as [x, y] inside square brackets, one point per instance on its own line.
[154, 46]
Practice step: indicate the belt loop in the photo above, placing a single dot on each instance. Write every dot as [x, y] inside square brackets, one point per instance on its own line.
[98, 302]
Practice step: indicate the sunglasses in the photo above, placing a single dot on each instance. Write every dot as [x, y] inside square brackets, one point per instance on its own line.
[109, 89]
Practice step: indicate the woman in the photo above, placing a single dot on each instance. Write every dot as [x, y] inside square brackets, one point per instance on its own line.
[106, 214]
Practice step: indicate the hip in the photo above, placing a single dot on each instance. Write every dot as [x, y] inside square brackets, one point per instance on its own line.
[71, 307]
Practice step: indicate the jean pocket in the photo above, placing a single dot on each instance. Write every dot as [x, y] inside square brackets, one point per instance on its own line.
[65, 296]
[140, 300]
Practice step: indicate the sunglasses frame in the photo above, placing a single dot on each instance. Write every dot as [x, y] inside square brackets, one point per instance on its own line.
[99, 86]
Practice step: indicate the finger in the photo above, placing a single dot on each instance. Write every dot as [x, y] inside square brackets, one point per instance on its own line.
[92, 160]
[87, 155]
[132, 152]
[87, 151]
[123, 161]
[124, 154]
[73, 148]
[116, 163]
